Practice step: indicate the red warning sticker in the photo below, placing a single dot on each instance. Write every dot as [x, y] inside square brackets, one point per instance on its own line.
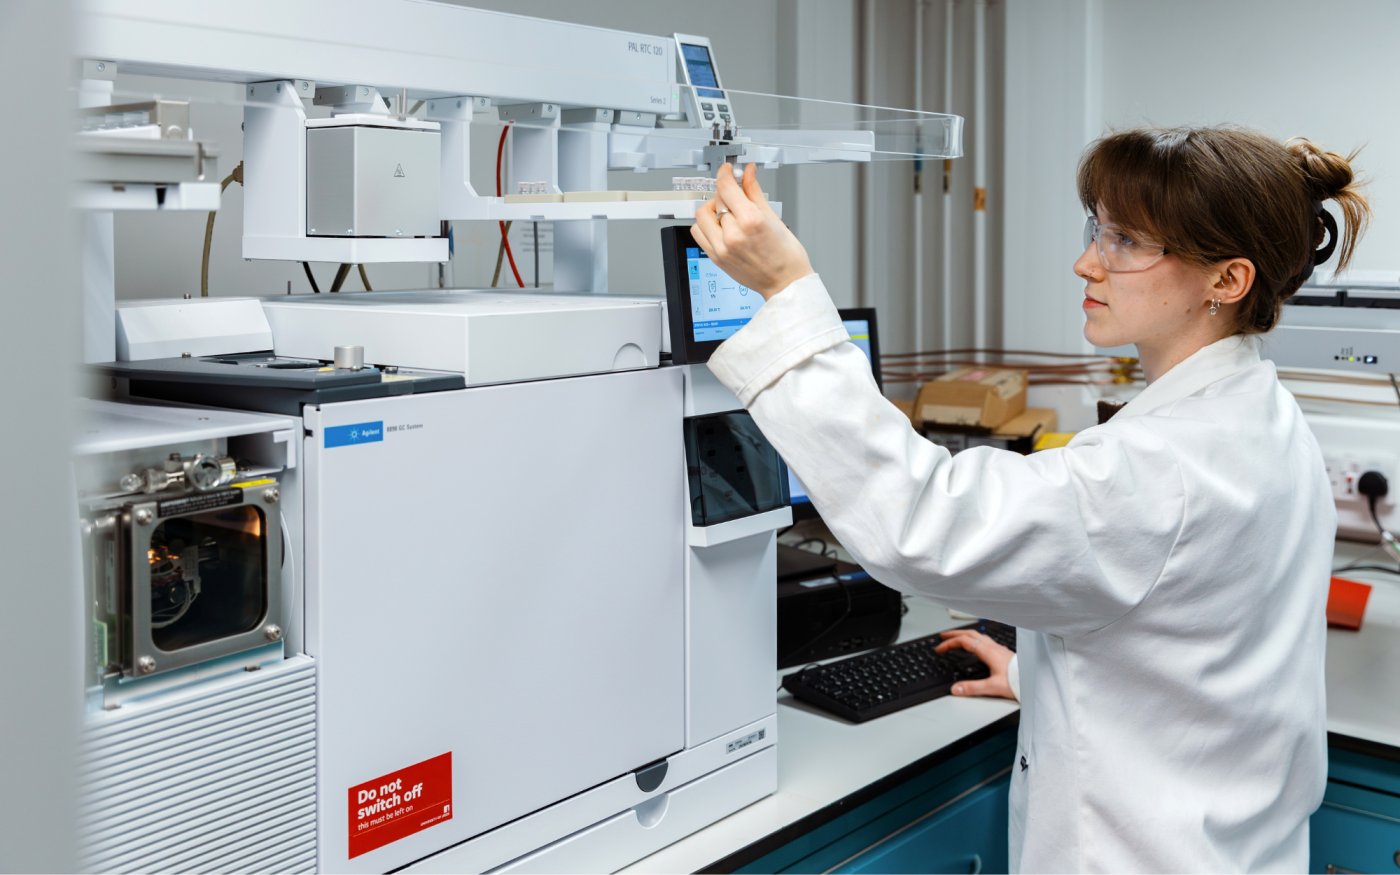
[400, 804]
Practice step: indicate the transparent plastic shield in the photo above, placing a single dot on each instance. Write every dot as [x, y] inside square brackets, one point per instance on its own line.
[811, 128]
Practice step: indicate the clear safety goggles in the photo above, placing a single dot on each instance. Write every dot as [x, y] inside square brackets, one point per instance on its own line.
[1119, 251]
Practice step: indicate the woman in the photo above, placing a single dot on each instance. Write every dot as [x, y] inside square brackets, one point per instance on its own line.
[1168, 569]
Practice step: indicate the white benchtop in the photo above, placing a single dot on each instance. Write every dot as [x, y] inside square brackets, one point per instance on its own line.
[1363, 666]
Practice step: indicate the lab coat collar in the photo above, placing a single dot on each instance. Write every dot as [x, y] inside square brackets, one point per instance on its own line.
[1203, 367]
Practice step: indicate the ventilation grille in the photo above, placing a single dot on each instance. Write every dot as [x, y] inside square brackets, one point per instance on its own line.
[217, 778]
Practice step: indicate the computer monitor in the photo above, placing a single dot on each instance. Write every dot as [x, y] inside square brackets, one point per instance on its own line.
[860, 324]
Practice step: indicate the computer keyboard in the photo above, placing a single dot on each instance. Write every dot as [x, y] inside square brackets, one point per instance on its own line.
[870, 685]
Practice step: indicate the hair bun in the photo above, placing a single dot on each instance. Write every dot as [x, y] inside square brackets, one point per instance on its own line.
[1328, 174]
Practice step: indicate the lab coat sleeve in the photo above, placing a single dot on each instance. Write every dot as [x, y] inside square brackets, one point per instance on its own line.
[1013, 676]
[1064, 541]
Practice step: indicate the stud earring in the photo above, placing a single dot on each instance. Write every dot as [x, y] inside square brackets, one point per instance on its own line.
[1214, 307]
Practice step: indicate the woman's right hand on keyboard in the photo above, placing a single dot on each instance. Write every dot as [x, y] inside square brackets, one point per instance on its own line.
[996, 657]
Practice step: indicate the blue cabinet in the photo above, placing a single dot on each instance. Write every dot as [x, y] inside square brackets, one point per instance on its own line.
[1357, 828]
[949, 814]
[945, 814]
[968, 834]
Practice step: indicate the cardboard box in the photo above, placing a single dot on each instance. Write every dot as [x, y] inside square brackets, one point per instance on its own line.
[980, 397]
[1018, 434]
[907, 408]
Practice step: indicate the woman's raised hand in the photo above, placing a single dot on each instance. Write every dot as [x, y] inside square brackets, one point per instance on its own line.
[746, 239]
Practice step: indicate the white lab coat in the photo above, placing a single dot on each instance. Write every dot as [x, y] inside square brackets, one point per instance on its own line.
[1168, 571]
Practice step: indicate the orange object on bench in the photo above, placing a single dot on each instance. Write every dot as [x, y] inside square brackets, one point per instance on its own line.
[1346, 602]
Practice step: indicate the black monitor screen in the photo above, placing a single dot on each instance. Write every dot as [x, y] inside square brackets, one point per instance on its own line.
[860, 324]
[701, 70]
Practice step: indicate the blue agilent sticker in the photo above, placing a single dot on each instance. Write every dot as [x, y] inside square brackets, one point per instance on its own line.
[359, 433]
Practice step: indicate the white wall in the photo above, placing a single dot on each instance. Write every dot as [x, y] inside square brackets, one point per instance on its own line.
[1078, 68]
[817, 51]
[1052, 50]
[917, 240]
[1285, 67]
[887, 236]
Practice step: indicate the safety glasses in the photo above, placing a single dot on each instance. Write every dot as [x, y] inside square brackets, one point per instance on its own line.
[1119, 251]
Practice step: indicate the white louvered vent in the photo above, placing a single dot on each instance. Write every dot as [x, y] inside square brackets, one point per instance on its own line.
[219, 777]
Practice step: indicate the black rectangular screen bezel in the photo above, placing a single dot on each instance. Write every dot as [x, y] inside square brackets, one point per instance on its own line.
[685, 349]
[867, 314]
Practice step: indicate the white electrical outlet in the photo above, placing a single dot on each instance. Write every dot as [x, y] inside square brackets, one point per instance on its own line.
[1353, 508]
[1351, 446]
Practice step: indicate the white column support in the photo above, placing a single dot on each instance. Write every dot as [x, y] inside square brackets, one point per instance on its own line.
[97, 246]
[581, 248]
[459, 199]
[274, 164]
[533, 144]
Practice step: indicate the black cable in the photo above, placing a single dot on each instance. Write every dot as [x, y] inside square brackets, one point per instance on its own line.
[1366, 561]
[1382, 568]
[1371, 503]
[1395, 386]
[799, 671]
[340, 274]
[535, 227]
[364, 278]
[311, 278]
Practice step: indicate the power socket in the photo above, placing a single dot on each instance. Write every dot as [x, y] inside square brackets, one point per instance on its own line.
[1351, 446]
[1353, 508]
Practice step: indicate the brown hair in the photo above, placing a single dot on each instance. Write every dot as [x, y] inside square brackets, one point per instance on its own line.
[1209, 194]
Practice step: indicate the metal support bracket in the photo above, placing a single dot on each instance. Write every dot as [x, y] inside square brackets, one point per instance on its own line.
[530, 113]
[363, 99]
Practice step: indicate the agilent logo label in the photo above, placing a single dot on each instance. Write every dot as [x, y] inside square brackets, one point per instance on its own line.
[359, 433]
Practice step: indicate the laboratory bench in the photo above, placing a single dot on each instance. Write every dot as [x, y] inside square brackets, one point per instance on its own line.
[925, 789]
[1358, 826]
